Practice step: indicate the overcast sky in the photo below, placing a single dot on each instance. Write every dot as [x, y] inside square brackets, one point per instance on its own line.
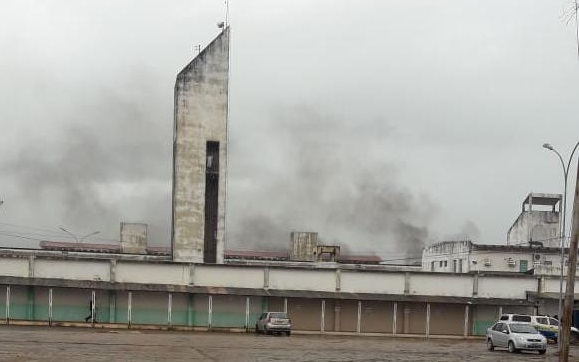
[382, 125]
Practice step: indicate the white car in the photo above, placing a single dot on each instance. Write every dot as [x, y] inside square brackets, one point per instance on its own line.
[515, 337]
[547, 326]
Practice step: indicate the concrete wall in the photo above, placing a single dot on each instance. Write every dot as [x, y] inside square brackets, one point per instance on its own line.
[201, 93]
[369, 282]
[72, 269]
[129, 272]
[430, 284]
[505, 287]
[319, 280]
[303, 246]
[14, 267]
[228, 276]
[535, 225]
[134, 238]
[323, 279]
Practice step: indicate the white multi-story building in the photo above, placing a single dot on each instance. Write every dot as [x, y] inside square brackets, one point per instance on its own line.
[533, 245]
[468, 257]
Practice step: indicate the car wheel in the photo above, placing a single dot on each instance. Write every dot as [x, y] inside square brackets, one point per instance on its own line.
[512, 348]
[288, 333]
[256, 329]
[490, 345]
[542, 351]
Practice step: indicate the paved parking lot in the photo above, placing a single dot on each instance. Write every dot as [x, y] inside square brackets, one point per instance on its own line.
[70, 344]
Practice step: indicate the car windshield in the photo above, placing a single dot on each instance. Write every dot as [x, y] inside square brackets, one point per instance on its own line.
[278, 315]
[523, 328]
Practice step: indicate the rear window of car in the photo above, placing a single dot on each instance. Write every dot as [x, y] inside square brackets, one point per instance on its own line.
[278, 315]
[521, 318]
[542, 320]
[504, 318]
[523, 328]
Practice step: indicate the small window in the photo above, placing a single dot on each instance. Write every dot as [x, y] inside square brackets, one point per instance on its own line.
[504, 318]
[521, 318]
[445, 263]
[542, 320]
[278, 315]
[440, 263]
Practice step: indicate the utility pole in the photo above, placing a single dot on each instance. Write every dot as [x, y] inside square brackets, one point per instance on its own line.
[571, 271]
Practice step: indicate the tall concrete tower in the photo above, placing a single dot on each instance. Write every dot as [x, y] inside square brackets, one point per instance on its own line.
[200, 155]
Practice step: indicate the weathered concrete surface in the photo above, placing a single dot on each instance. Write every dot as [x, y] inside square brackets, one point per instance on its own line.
[538, 225]
[67, 345]
[201, 106]
[303, 245]
[134, 238]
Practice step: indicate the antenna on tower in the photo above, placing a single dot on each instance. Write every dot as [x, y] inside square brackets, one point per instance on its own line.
[226, 13]
[197, 48]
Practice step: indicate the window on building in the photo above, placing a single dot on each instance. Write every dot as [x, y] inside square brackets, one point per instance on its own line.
[454, 266]
[432, 266]
[523, 266]
[440, 263]
[445, 263]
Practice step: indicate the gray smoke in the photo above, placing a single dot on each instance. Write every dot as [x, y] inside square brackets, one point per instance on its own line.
[302, 171]
[324, 175]
[112, 165]
[468, 231]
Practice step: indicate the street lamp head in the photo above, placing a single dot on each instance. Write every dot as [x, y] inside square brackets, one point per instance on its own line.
[548, 146]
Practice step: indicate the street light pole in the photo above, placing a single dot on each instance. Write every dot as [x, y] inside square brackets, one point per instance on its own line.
[571, 273]
[87, 235]
[68, 232]
[79, 239]
[563, 230]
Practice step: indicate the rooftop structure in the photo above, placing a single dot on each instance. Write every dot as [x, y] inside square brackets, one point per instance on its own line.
[539, 221]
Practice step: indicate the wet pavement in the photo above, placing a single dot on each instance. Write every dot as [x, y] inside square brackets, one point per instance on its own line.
[79, 344]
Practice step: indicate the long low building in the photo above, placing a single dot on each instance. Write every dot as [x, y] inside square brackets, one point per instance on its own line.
[131, 290]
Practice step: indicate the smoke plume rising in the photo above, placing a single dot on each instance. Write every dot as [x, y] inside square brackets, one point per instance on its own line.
[319, 173]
